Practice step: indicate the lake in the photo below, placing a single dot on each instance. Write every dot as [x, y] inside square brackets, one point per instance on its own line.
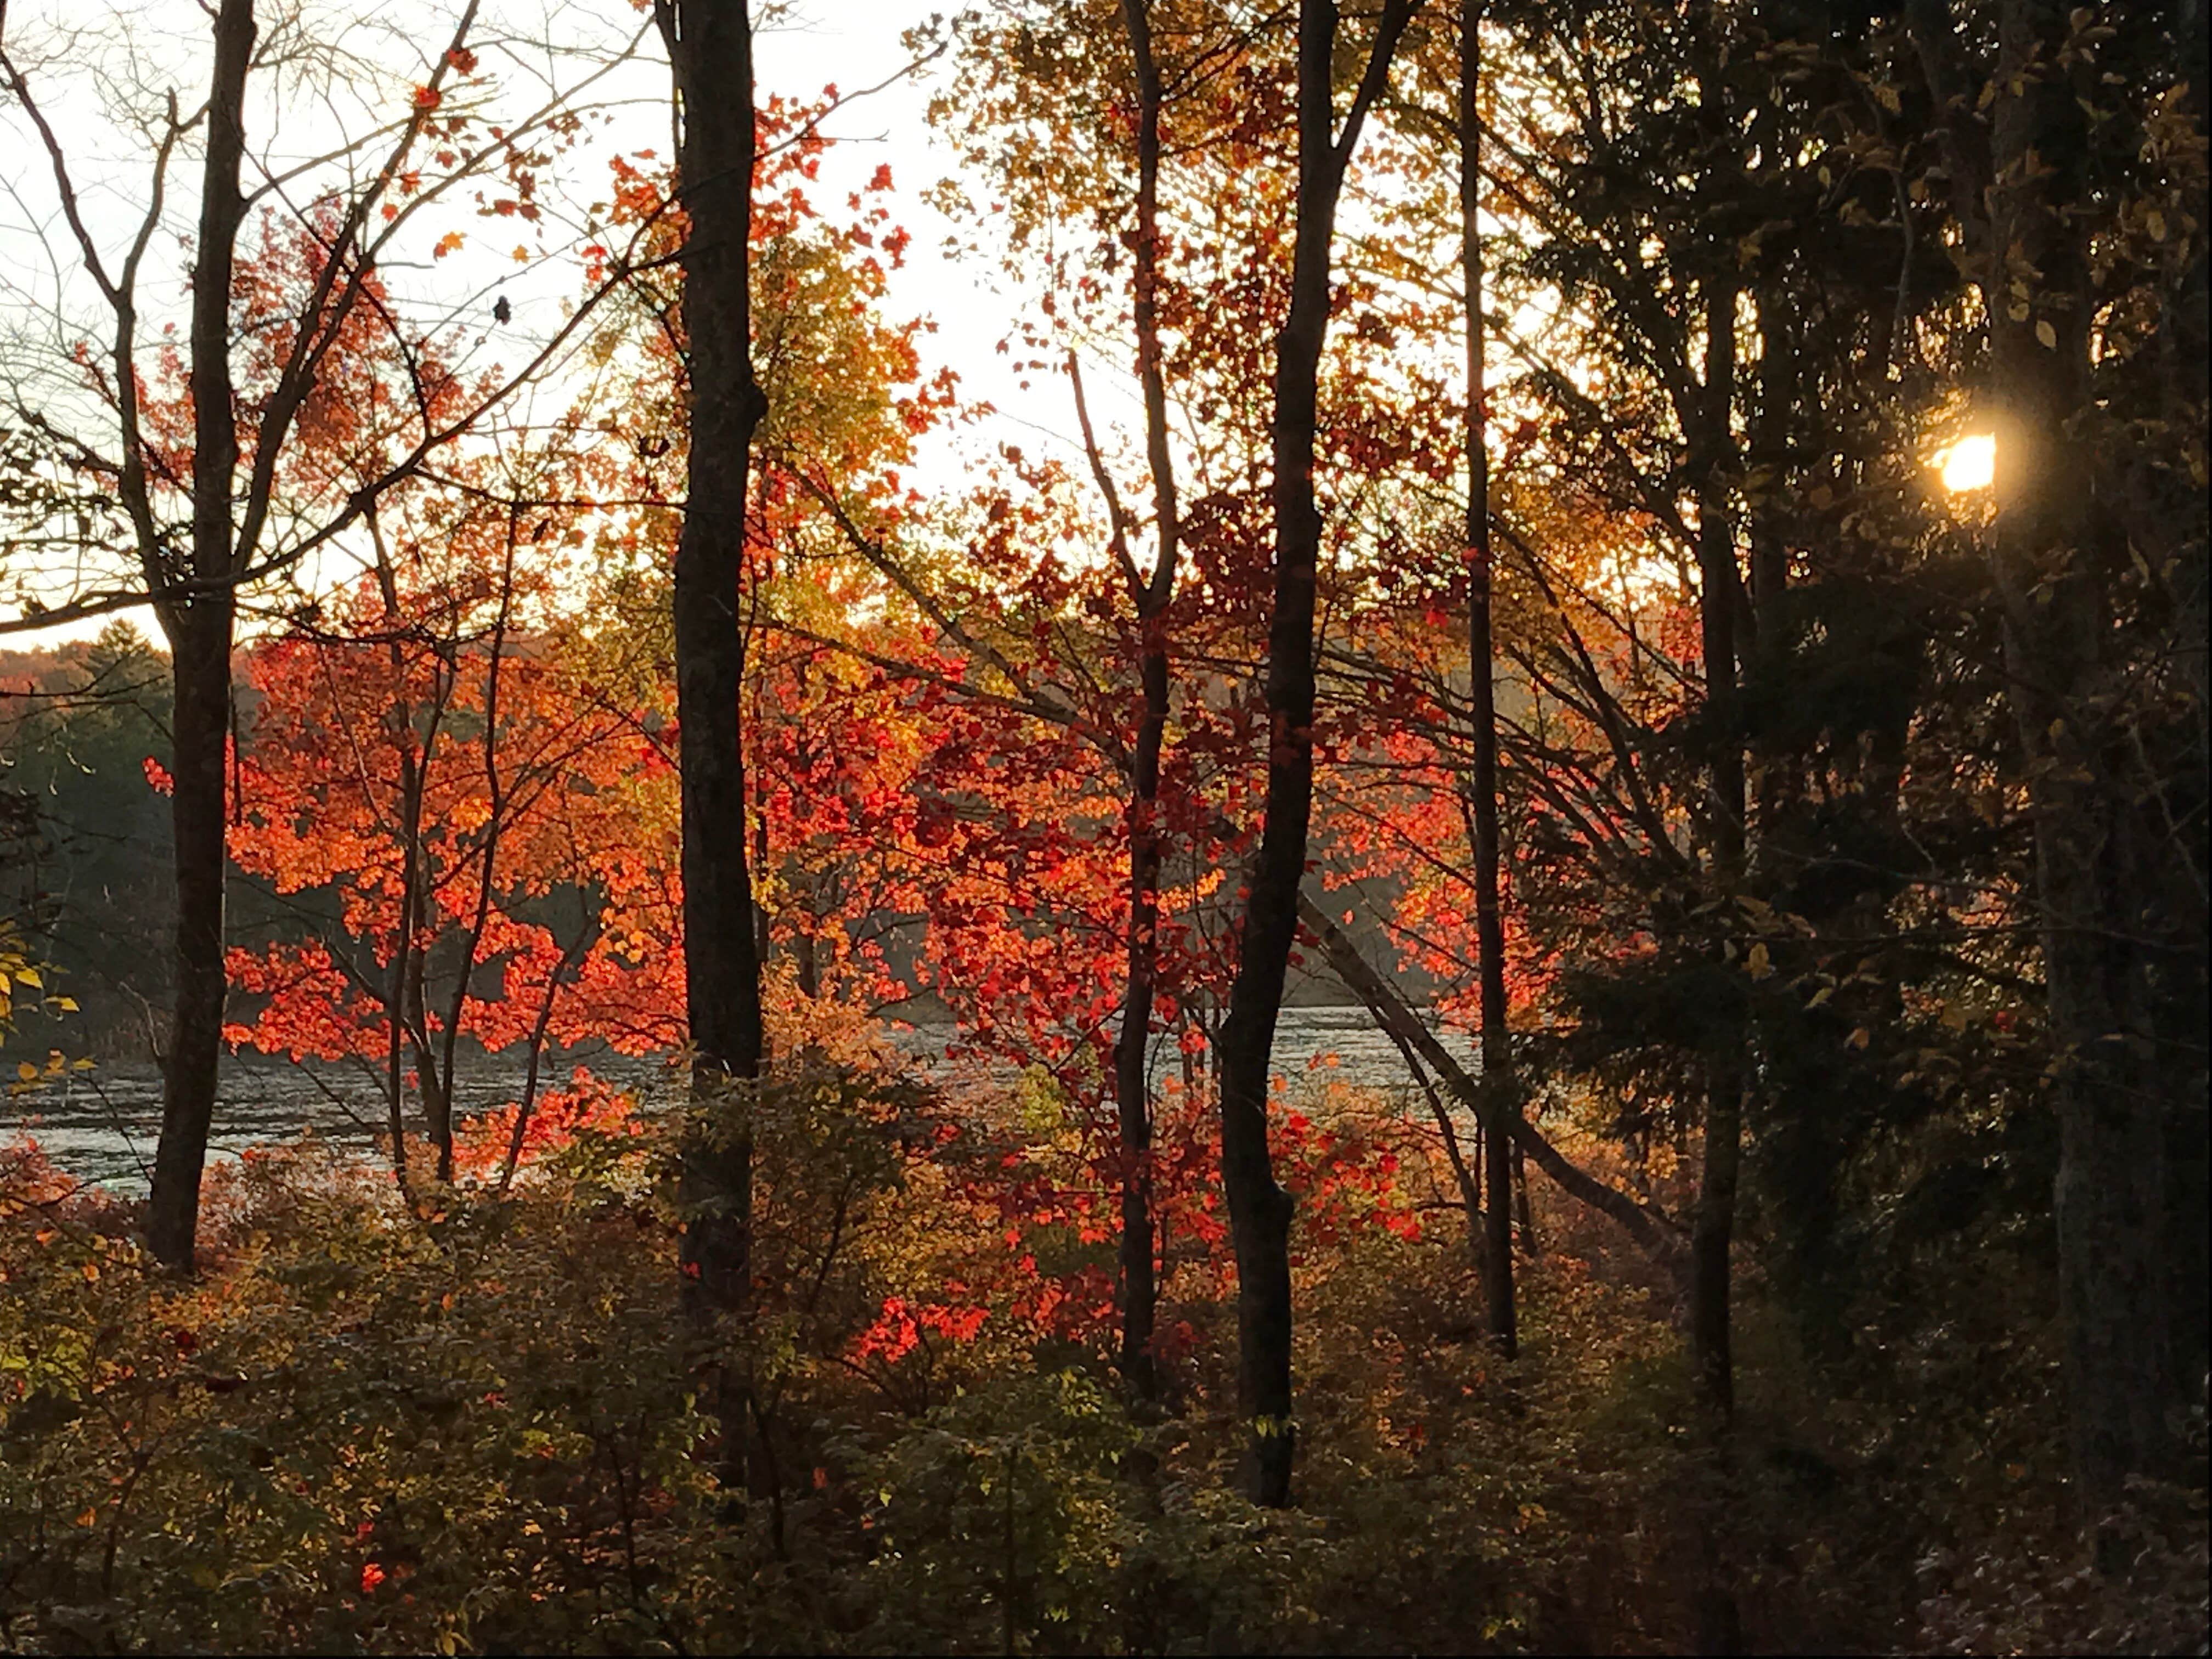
[101, 1125]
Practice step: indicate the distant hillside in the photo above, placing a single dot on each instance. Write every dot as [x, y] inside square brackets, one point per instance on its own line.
[77, 724]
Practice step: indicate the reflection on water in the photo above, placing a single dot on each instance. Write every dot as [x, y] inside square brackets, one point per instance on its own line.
[101, 1125]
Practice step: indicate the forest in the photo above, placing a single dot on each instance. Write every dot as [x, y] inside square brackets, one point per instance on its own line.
[869, 653]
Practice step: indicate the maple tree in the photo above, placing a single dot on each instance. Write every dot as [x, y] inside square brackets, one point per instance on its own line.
[250, 447]
[422, 768]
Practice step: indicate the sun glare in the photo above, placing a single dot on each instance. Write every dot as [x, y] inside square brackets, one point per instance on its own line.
[1969, 464]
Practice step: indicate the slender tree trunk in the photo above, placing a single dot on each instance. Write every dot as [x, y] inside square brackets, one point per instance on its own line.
[431, 1081]
[402, 934]
[1498, 1084]
[411, 965]
[199, 623]
[395, 1097]
[1258, 1208]
[495, 824]
[1713, 1231]
[1132, 1079]
[710, 52]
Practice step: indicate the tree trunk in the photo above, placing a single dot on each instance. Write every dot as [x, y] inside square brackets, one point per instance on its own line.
[1713, 1231]
[710, 52]
[1132, 1081]
[200, 623]
[1258, 1208]
[1498, 1085]
[199, 650]
[2098, 882]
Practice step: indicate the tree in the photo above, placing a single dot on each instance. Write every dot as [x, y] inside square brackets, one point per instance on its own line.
[448, 821]
[199, 529]
[710, 54]
[1482, 781]
[1150, 595]
[2097, 549]
[1260, 1209]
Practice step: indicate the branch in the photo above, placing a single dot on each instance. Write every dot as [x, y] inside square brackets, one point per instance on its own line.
[1657, 1233]
[1396, 15]
[1117, 519]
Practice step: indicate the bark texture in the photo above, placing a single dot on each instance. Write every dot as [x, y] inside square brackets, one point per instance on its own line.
[710, 52]
[200, 623]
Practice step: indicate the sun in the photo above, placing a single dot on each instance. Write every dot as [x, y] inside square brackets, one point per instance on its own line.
[1969, 464]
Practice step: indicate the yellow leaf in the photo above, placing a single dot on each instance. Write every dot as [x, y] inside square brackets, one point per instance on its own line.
[1860, 1038]
[1761, 968]
[2047, 336]
[27, 1072]
[67, 1005]
[2154, 221]
[521, 254]
[450, 242]
[30, 977]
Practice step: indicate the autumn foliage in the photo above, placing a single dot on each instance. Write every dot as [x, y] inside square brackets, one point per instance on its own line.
[1848, 837]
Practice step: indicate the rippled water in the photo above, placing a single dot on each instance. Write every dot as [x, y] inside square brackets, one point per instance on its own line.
[101, 1125]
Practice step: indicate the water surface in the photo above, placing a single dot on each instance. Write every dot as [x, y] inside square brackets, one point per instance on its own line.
[101, 1125]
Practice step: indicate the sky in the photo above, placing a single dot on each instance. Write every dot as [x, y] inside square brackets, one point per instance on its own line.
[853, 45]
[972, 303]
[804, 47]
